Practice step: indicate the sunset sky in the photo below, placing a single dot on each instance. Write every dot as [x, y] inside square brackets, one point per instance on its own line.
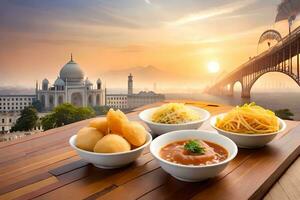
[181, 37]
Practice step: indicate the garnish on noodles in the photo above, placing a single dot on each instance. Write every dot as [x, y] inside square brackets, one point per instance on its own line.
[174, 113]
[249, 119]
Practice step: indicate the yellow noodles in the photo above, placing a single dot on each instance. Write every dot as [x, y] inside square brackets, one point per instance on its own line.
[174, 113]
[249, 119]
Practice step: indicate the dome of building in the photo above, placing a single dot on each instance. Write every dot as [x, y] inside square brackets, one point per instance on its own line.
[45, 81]
[88, 82]
[71, 72]
[59, 82]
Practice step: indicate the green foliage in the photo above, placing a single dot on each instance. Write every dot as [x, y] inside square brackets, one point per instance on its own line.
[37, 104]
[194, 147]
[66, 114]
[284, 114]
[101, 110]
[27, 121]
[48, 122]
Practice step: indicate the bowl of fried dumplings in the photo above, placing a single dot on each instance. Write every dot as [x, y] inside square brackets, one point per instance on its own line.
[112, 141]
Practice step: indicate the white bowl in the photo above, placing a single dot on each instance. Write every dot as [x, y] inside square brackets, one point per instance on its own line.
[192, 173]
[248, 141]
[110, 160]
[159, 128]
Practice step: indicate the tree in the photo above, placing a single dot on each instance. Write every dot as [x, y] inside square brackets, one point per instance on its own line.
[101, 110]
[66, 114]
[37, 104]
[48, 122]
[284, 114]
[27, 121]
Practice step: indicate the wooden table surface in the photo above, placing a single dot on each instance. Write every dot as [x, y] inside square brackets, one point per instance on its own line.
[43, 166]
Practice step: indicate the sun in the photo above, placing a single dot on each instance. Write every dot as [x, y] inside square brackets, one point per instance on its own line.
[213, 67]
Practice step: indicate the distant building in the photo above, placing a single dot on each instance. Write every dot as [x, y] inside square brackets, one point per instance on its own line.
[143, 98]
[70, 87]
[7, 120]
[15, 103]
[131, 100]
[117, 101]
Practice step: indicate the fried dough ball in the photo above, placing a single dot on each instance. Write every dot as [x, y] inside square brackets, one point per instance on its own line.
[100, 124]
[87, 138]
[134, 133]
[112, 143]
[115, 120]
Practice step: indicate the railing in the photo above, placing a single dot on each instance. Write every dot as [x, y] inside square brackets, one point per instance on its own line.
[280, 44]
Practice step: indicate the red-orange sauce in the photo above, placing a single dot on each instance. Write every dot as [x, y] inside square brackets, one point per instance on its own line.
[175, 152]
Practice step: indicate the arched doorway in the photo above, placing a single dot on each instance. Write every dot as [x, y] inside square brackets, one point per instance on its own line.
[60, 99]
[98, 100]
[90, 100]
[51, 101]
[43, 101]
[76, 99]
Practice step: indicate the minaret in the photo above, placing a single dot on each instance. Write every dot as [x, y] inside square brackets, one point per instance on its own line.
[130, 84]
[36, 90]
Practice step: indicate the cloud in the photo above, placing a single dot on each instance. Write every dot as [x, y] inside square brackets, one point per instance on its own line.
[213, 12]
[148, 2]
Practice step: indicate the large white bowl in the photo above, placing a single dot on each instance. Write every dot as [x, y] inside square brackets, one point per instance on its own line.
[248, 141]
[192, 173]
[159, 128]
[110, 160]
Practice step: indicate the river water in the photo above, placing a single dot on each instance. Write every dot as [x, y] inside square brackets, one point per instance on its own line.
[273, 101]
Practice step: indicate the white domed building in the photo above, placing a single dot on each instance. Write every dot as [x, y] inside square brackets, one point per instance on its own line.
[71, 86]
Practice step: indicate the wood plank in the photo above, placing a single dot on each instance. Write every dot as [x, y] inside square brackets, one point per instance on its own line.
[277, 193]
[290, 181]
[34, 159]
[271, 160]
[94, 183]
[69, 167]
[32, 176]
[19, 192]
[17, 169]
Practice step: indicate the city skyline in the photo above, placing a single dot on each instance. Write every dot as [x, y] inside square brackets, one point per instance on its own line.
[37, 37]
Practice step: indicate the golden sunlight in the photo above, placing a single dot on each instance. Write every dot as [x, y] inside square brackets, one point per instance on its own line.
[213, 67]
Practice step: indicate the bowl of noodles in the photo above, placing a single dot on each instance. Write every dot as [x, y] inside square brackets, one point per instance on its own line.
[172, 117]
[249, 126]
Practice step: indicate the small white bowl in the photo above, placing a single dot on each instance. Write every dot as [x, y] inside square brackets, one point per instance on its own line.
[249, 141]
[110, 160]
[159, 128]
[192, 173]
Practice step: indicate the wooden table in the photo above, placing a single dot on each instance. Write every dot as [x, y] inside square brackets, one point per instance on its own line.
[43, 166]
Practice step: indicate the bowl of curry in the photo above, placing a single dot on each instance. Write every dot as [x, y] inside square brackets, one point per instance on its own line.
[193, 155]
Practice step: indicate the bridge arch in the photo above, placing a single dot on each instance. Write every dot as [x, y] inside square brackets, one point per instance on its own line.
[237, 86]
[292, 76]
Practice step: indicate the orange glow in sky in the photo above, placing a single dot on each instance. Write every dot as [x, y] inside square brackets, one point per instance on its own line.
[178, 38]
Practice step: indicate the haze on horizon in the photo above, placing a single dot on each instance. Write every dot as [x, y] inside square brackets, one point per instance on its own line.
[37, 37]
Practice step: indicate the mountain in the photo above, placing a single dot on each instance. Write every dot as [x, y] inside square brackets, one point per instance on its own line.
[16, 90]
[143, 76]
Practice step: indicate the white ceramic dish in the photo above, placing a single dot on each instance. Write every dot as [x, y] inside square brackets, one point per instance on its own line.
[110, 160]
[158, 128]
[192, 173]
[248, 141]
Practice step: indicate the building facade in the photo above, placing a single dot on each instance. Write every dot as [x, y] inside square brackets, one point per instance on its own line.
[143, 98]
[70, 87]
[117, 101]
[7, 120]
[10, 108]
[131, 100]
[15, 103]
